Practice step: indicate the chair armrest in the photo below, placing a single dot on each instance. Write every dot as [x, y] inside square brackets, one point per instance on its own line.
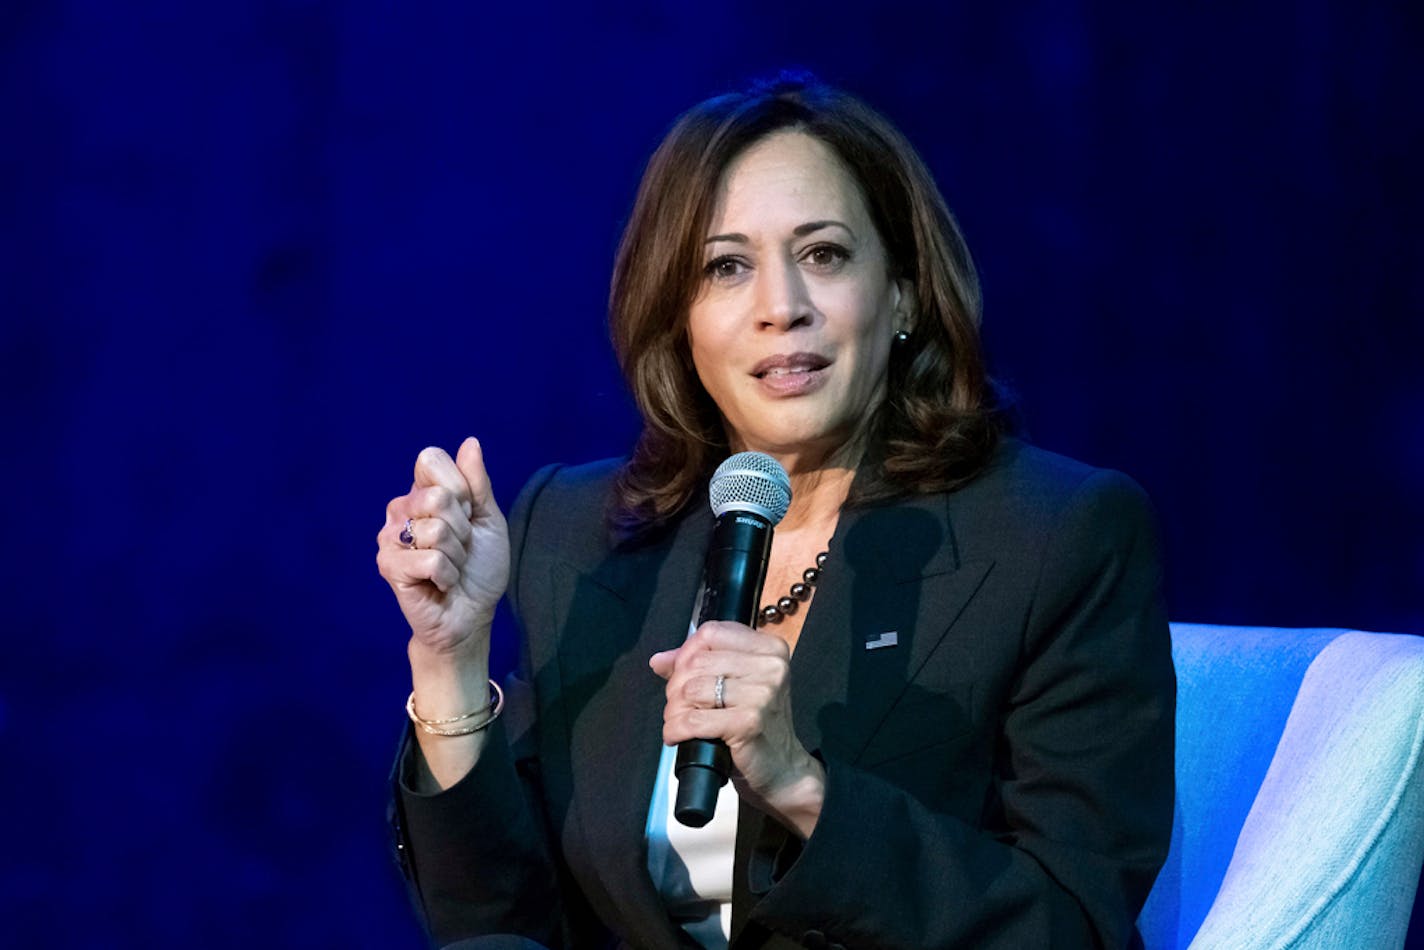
[1330, 851]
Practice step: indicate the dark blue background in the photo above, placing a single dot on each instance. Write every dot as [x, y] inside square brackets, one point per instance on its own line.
[255, 256]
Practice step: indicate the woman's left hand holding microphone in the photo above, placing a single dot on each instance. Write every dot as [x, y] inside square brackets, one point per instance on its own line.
[751, 713]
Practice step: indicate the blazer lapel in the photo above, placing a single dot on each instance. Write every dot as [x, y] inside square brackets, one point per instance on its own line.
[894, 577]
[892, 569]
[621, 612]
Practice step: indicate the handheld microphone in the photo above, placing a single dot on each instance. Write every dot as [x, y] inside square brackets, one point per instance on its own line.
[750, 494]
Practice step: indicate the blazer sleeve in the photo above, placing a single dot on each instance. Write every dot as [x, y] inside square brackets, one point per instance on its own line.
[1084, 777]
[478, 856]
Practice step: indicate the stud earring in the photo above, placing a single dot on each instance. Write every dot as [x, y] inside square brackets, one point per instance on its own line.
[902, 336]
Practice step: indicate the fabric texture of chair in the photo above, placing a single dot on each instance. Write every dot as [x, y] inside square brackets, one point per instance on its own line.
[1300, 790]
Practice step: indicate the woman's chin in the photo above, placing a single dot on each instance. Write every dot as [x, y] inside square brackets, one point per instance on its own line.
[800, 445]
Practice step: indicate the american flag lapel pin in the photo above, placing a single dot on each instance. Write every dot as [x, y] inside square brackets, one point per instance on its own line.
[887, 639]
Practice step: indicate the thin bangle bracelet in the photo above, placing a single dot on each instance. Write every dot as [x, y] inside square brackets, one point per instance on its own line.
[491, 711]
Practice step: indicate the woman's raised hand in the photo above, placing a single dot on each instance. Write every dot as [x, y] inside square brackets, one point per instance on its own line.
[452, 572]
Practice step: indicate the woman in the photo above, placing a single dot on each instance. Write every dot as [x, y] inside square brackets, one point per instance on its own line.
[956, 728]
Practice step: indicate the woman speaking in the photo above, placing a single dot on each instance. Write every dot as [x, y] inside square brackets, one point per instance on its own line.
[952, 722]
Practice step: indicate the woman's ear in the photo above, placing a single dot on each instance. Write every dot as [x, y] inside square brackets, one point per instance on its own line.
[904, 304]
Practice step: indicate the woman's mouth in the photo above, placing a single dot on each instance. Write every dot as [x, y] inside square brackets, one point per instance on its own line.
[793, 374]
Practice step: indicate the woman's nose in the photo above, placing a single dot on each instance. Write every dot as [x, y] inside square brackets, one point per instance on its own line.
[783, 299]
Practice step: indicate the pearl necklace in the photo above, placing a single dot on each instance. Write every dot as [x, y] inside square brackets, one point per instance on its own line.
[800, 592]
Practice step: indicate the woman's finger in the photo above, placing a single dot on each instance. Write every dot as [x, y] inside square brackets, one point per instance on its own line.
[408, 568]
[434, 534]
[771, 668]
[431, 534]
[699, 691]
[707, 691]
[729, 635]
[434, 467]
[663, 663]
[734, 726]
[688, 672]
[433, 502]
[470, 460]
[702, 692]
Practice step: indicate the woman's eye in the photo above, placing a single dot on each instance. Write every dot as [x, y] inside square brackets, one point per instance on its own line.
[828, 257]
[724, 268]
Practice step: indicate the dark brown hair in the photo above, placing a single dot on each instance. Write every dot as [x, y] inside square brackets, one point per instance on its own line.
[939, 421]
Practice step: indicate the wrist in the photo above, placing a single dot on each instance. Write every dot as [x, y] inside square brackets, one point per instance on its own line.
[449, 682]
[798, 803]
[470, 652]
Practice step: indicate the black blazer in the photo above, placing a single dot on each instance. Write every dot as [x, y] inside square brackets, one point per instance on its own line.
[1001, 777]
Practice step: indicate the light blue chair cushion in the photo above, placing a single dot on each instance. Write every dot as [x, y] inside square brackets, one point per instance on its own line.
[1299, 817]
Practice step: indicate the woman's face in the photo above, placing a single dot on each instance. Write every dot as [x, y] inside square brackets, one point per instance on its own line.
[791, 328]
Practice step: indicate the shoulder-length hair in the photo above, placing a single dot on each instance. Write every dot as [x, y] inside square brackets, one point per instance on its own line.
[940, 420]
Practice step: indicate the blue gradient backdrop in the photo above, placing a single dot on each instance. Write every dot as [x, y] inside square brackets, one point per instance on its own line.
[255, 256]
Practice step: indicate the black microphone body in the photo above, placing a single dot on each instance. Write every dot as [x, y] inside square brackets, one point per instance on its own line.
[733, 576]
[750, 494]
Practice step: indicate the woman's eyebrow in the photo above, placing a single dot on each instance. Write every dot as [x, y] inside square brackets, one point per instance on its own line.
[801, 230]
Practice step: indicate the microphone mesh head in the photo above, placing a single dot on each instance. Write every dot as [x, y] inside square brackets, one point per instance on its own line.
[754, 482]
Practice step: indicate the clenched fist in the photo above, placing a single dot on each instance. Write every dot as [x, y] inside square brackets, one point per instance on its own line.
[450, 574]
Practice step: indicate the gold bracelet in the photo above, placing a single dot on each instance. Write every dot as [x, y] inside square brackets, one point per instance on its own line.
[491, 711]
